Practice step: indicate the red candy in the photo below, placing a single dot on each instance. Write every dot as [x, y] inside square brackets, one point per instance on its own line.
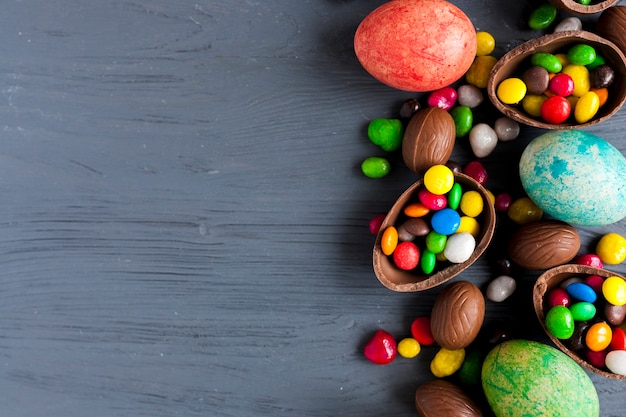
[432, 201]
[595, 282]
[375, 223]
[590, 259]
[558, 297]
[420, 330]
[618, 341]
[444, 98]
[477, 171]
[561, 85]
[555, 109]
[406, 256]
[596, 358]
[381, 348]
[503, 202]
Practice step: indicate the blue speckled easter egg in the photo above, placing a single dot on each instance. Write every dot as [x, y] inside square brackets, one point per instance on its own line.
[576, 177]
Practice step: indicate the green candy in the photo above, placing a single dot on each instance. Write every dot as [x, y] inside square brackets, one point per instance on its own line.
[463, 120]
[375, 167]
[542, 17]
[596, 62]
[581, 54]
[469, 373]
[454, 196]
[582, 311]
[559, 322]
[547, 61]
[436, 242]
[386, 133]
[428, 261]
[584, 2]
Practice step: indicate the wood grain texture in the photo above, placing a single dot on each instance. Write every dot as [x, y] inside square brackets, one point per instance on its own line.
[184, 222]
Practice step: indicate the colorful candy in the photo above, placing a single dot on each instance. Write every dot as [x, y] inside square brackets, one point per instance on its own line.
[446, 362]
[386, 133]
[611, 248]
[375, 167]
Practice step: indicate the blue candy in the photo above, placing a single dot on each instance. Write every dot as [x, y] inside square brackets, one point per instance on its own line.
[445, 221]
[582, 292]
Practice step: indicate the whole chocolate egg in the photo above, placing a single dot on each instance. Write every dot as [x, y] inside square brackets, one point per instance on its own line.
[416, 45]
[576, 177]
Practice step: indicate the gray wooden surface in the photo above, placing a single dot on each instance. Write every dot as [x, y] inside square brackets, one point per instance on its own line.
[184, 222]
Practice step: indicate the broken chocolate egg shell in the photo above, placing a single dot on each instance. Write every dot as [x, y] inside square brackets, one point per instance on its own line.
[551, 279]
[573, 6]
[400, 280]
[514, 62]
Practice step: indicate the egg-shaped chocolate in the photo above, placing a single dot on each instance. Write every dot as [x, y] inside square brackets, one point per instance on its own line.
[575, 176]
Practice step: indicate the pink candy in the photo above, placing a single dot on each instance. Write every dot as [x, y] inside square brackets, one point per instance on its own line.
[444, 98]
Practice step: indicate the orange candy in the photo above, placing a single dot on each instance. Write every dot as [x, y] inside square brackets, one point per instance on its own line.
[598, 337]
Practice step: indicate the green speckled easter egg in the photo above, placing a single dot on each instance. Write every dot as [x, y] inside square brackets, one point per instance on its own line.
[576, 177]
[523, 378]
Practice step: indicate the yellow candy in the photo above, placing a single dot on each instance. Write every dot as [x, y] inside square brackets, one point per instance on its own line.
[478, 73]
[511, 90]
[446, 362]
[532, 104]
[603, 94]
[614, 290]
[470, 225]
[524, 210]
[580, 75]
[389, 240]
[439, 179]
[586, 107]
[409, 348]
[471, 203]
[611, 249]
[563, 59]
[485, 43]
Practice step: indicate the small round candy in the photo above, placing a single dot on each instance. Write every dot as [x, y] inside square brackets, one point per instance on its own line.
[428, 261]
[590, 259]
[524, 210]
[618, 339]
[555, 109]
[409, 108]
[611, 248]
[446, 362]
[409, 348]
[417, 226]
[542, 17]
[420, 330]
[403, 234]
[614, 290]
[602, 76]
[536, 79]
[506, 129]
[532, 104]
[444, 98]
[598, 336]
[485, 43]
[586, 107]
[483, 140]
[445, 221]
[595, 282]
[469, 225]
[558, 297]
[454, 196]
[406, 256]
[470, 96]
[581, 54]
[478, 73]
[477, 171]
[469, 373]
[548, 61]
[432, 201]
[582, 311]
[438, 179]
[561, 85]
[603, 94]
[501, 288]
[595, 64]
[375, 223]
[577, 341]
[615, 315]
[471, 203]
[463, 120]
[503, 202]
[569, 23]
[580, 75]
[582, 292]
[375, 167]
[511, 90]
[460, 247]
[389, 240]
[559, 322]
[436, 242]
[616, 361]
[597, 359]
[386, 133]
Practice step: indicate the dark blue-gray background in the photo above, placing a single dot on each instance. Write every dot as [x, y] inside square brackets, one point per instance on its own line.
[184, 222]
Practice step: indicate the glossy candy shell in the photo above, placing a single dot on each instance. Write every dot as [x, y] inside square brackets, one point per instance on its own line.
[551, 279]
[411, 281]
[515, 60]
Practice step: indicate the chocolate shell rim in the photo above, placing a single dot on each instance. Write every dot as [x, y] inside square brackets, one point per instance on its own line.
[510, 65]
[409, 281]
[575, 7]
[551, 279]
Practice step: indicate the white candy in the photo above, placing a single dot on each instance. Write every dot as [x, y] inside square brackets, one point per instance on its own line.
[483, 139]
[459, 247]
[616, 361]
[501, 288]
[469, 95]
[570, 23]
[506, 129]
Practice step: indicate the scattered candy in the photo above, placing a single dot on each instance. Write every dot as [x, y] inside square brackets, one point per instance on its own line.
[375, 223]
[381, 349]
[409, 348]
[483, 140]
[542, 17]
[501, 288]
[447, 362]
[386, 133]
[506, 129]
[611, 248]
[444, 98]
[614, 290]
[569, 23]
[470, 96]
[375, 167]
[485, 43]
[420, 330]
[523, 211]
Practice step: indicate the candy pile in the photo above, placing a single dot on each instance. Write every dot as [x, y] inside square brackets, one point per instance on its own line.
[588, 313]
